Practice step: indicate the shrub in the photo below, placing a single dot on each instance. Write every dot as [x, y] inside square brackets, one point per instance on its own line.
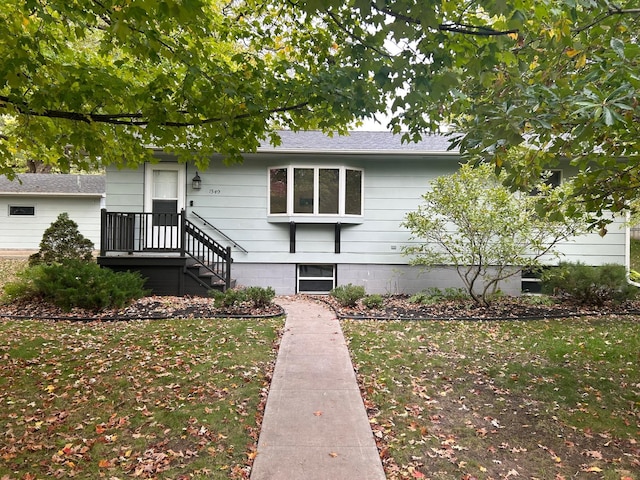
[232, 297]
[259, 296]
[424, 298]
[348, 295]
[435, 295]
[474, 222]
[76, 283]
[589, 285]
[373, 301]
[62, 241]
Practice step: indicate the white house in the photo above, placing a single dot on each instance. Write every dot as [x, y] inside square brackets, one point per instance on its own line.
[313, 213]
[31, 202]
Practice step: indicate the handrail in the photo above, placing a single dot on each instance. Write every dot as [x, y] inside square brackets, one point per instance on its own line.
[207, 223]
[132, 232]
[209, 254]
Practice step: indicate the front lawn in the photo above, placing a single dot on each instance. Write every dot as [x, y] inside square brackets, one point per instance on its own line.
[470, 400]
[140, 399]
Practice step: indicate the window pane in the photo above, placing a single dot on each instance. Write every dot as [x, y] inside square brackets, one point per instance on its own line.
[328, 190]
[165, 184]
[315, 286]
[313, 271]
[554, 179]
[278, 190]
[353, 195]
[20, 210]
[303, 190]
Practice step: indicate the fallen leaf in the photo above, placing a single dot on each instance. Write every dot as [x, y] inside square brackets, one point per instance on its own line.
[593, 454]
[592, 469]
[333, 454]
[317, 413]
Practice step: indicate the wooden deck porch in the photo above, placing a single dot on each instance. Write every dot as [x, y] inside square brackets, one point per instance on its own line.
[176, 256]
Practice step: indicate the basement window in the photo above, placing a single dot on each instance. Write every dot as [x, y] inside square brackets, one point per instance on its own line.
[316, 278]
[22, 210]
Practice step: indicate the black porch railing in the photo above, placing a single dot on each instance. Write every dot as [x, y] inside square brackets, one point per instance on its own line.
[131, 233]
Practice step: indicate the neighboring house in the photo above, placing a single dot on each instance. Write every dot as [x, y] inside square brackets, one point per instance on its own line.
[313, 213]
[31, 202]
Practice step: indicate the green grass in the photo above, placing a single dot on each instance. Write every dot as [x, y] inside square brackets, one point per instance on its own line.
[544, 399]
[8, 269]
[143, 399]
[635, 254]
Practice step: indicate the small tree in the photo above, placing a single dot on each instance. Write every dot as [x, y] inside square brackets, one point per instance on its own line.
[472, 221]
[62, 241]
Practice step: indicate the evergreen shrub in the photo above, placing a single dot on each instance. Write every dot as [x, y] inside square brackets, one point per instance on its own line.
[589, 285]
[259, 296]
[374, 300]
[348, 295]
[76, 283]
[62, 241]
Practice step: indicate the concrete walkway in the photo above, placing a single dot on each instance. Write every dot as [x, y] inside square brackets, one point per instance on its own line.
[315, 425]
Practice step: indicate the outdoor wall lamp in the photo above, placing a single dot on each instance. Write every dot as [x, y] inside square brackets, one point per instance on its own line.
[196, 183]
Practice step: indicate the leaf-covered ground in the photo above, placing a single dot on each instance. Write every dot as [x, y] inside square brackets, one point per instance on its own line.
[502, 308]
[547, 399]
[140, 399]
[146, 308]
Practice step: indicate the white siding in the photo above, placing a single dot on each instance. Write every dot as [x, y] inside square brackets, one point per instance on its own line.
[234, 199]
[125, 190]
[25, 232]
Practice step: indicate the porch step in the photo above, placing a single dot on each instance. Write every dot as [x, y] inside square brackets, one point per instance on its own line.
[204, 279]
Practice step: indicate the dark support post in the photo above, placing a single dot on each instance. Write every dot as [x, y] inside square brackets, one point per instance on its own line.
[103, 232]
[337, 238]
[183, 232]
[227, 273]
[292, 237]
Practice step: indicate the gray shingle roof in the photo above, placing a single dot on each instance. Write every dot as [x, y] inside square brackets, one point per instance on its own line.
[358, 141]
[53, 184]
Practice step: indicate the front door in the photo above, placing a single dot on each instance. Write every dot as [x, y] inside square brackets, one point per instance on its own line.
[164, 198]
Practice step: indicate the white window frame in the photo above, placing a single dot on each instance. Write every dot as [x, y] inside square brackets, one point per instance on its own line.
[342, 191]
[325, 279]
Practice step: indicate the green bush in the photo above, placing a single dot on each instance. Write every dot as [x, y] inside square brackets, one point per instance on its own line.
[424, 298]
[589, 285]
[62, 241]
[348, 295]
[373, 301]
[229, 298]
[259, 296]
[75, 283]
[435, 295]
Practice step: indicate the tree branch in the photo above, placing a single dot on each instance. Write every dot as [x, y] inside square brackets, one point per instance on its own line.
[449, 26]
[609, 13]
[137, 119]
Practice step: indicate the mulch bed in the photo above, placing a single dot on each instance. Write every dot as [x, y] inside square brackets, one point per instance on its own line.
[396, 307]
[147, 308]
[399, 307]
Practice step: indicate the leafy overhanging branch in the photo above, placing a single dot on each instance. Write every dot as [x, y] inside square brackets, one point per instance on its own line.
[140, 119]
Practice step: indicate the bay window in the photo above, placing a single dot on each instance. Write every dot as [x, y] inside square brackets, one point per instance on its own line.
[315, 191]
